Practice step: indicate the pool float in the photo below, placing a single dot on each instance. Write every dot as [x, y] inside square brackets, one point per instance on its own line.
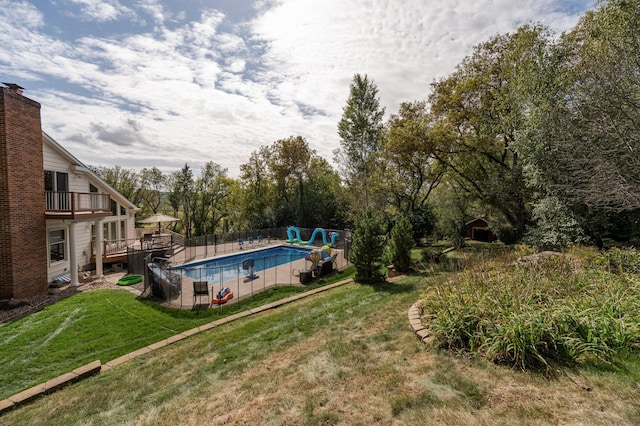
[223, 296]
[130, 279]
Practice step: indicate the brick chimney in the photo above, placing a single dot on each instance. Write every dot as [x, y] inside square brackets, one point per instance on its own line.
[23, 239]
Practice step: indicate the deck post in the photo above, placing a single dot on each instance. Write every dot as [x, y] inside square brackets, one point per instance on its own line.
[99, 232]
[73, 256]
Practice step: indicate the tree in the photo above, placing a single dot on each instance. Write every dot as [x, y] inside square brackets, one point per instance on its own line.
[326, 203]
[182, 197]
[413, 172]
[556, 226]
[367, 248]
[289, 164]
[360, 131]
[258, 191]
[153, 184]
[210, 191]
[125, 181]
[401, 244]
[482, 108]
[586, 129]
[289, 183]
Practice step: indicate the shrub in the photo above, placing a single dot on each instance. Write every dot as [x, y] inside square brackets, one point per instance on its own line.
[556, 226]
[432, 255]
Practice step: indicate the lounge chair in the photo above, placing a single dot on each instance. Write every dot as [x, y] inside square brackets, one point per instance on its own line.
[240, 243]
[250, 239]
[260, 240]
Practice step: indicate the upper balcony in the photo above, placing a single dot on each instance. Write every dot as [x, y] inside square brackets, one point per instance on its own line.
[77, 205]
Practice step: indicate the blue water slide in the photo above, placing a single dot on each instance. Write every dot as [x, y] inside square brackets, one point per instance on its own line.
[334, 235]
[294, 230]
[290, 231]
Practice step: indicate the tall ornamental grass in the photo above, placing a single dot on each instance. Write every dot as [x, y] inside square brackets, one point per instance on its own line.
[559, 310]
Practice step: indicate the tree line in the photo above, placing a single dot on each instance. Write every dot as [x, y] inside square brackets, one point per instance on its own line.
[539, 133]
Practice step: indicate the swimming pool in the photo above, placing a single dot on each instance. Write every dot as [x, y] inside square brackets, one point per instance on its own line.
[230, 267]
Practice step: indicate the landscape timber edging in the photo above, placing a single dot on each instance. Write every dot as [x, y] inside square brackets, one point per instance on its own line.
[416, 324]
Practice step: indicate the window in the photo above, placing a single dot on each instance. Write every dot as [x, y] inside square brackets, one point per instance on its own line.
[57, 182]
[114, 208]
[48, 180]
[57, 243]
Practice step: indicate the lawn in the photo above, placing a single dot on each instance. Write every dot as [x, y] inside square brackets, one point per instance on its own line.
[345, 356]
[103, 325]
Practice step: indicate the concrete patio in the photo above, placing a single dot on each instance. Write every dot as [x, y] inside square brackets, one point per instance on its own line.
[242, 287]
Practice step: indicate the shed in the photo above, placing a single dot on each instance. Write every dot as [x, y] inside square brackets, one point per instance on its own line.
[478, 229]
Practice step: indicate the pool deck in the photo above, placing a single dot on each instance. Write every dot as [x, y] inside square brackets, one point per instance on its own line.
[286, 274]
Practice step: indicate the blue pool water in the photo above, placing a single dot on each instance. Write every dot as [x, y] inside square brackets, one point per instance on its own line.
[230, 267]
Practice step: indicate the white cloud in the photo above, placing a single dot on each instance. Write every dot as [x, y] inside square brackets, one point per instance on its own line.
[209, 89]
[101, 10]
[20, 11]
[155, 9]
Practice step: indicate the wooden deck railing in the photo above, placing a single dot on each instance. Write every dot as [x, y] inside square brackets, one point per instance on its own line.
[111, 247]
[59, 204]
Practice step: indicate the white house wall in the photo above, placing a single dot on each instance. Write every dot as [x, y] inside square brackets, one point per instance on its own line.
[55, 162]
[79, 182]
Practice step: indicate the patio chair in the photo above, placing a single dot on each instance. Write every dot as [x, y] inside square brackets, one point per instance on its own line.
[260, 240]
[201, 288]
[240, 243]
[250, 239]
[147, 241]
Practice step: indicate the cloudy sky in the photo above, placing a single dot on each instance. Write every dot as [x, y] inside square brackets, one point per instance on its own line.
[166, 82]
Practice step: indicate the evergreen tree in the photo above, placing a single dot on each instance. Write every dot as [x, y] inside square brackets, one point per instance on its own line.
[367, 248]
[401, 244]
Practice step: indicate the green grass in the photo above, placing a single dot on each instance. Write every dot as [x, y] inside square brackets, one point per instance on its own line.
[242, 344]
[345, 356]
[104, 324]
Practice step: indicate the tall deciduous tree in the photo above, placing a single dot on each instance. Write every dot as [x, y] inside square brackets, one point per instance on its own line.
[153, 184]
[287, 183]
[410, 149]
[210, 192]
[182, 197]
[484, 103]
[125, 181]
[289, 165]
[360, 131]
[326, 203]
[258, 191]
[587, 128]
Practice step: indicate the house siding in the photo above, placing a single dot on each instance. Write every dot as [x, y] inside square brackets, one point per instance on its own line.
[22, 204]
[79, 182]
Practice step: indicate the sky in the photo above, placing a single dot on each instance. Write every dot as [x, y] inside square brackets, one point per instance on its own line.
[166, 83]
